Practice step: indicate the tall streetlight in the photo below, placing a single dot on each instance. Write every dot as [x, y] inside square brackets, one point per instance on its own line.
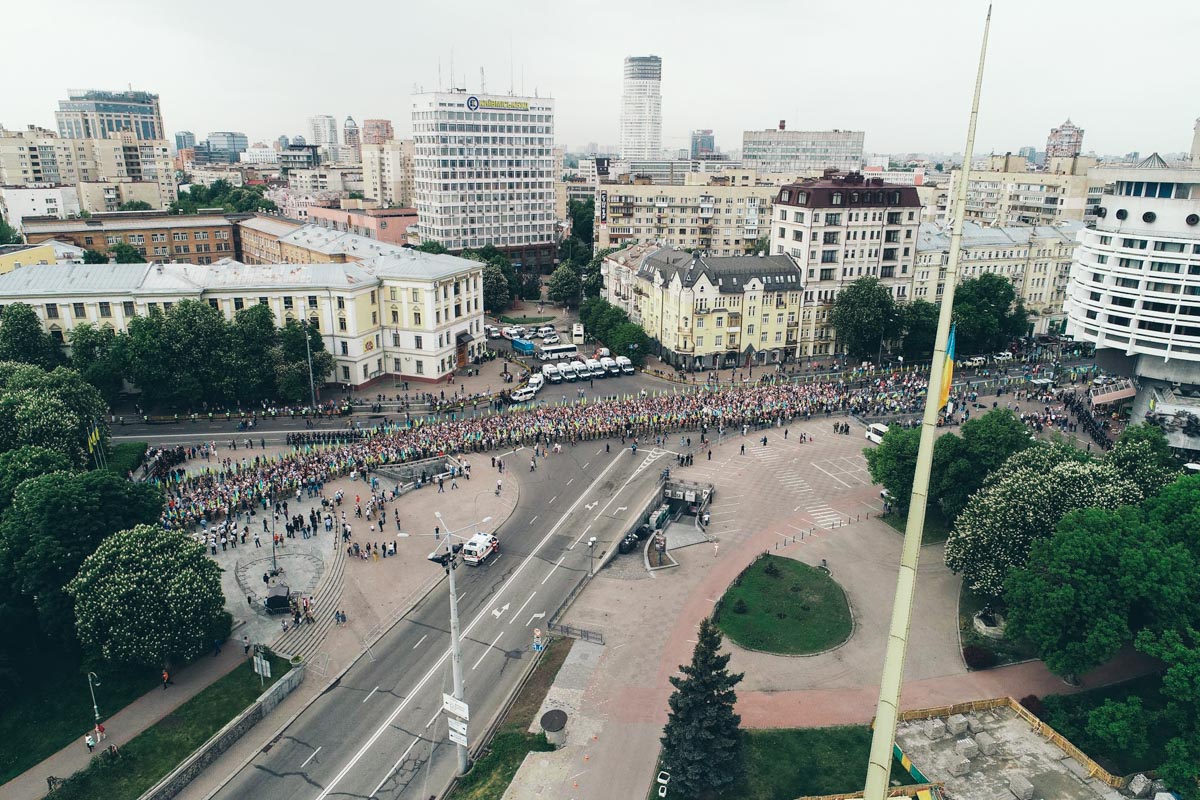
[312, 386]
[449, 563]
[591, 554]
[95, 708]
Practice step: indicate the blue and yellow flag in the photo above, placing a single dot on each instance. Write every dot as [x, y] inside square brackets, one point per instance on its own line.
[948, 369]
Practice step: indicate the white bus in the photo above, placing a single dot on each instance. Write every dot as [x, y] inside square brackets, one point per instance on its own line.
[558, 352]
[876, 431]
[577, 333]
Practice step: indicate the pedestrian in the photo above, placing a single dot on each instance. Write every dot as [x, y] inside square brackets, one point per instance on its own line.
[498, 488]
[90, 742]
[743, 450]
[441, 485]
[166, 678]
[216, 647]
[245, 645]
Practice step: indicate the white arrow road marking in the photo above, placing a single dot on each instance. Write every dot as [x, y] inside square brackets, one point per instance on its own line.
[485, 652]
[590, 506]
[522, 608]
[622, 508]
[498, 612]
[538, 615]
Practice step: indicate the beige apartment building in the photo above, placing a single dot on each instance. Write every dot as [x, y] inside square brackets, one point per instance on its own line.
[838, 229]
[1035, 259]
[312, 244]
[260, 235]
[407, 316]
[717, 217]
[706, 312]
[387, 170]
[158, 236]
[1006, 193]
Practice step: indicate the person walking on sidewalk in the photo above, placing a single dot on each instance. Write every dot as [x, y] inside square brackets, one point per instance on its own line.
[245, 645]
[166, 678]
[498, 483]
[90, 742]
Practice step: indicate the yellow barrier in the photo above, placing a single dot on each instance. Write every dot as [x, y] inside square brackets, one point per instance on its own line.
[924, 791]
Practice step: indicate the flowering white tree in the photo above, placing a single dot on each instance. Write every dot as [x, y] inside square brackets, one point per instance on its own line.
[1022, 502]
[148, 596]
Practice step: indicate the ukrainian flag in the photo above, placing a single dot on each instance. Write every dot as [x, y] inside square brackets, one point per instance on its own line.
[947, 369]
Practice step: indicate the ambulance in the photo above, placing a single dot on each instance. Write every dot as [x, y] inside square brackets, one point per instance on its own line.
[479, 548]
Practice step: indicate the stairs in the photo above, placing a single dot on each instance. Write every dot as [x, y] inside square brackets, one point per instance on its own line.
[304, 641]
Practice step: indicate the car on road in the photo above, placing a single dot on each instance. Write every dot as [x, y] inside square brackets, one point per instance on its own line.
[1004, 355]
[479, 548]
[492, 331]
[508, 333]
[974, 361]
[546, 330]
[551, 338]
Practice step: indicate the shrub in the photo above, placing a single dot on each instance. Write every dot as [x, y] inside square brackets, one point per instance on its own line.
[127, 457]
[1034, 705]
[740, 606]
[978, 657]
[771, 569]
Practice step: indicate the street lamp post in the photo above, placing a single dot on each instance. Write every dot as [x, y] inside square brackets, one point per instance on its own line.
[591, 556]
[312, 386]
[450, 563]
[92, 690]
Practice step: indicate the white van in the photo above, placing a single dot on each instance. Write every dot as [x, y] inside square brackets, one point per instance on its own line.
[536, 381]
[625, 364]
[610, 366]
[568, 371]
[594, 369]
[523, 395]
[491, 331]
[479, 547]
[550, 373]
[876, 432]
[580, 369]
[546, 330]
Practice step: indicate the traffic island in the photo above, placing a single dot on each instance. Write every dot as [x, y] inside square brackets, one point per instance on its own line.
[782, 606]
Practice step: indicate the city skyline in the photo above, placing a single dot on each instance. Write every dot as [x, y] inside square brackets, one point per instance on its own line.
[585, 77]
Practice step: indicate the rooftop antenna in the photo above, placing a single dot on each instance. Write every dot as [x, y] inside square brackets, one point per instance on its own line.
[511, 84]
[452, 69]
[441, 87]
[482, 82]
[884, 737]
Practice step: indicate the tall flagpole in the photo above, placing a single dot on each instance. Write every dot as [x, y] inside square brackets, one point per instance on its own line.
[884, 736]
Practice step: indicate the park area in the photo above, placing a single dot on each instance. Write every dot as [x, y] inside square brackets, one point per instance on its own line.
[779, 605]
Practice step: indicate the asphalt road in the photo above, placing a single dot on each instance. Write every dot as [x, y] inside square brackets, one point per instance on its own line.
[380, 732]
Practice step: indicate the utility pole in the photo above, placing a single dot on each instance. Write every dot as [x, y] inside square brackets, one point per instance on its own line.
[95, 708]
[312, 386]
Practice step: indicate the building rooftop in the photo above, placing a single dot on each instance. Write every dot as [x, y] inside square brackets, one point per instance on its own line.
[729, 274]
[328, 241]
[53, 226]
[272, 226]
[847, 191]
[931, 236]
[410, 263]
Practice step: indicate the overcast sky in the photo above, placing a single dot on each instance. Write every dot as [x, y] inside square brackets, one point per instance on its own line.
[903, 72]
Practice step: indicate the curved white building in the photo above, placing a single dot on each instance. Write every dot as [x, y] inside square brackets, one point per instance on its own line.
[641, 109]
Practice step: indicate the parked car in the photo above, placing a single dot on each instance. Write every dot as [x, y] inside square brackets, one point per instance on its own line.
[551, 339]
[492, 331]
[1004, 355]
[975, 361]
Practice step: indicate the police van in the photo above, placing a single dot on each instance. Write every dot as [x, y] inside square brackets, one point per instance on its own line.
[479, 548]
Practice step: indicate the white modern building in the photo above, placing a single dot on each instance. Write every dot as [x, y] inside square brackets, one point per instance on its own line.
[388, 172]
[484, 173]
[641, 108]
[323, 132]
[802, 152]
[259, 154]
[38, 200]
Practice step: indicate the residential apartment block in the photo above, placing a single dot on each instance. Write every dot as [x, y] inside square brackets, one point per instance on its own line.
[326, 178]
[98, 114]
[641, 108]
[802, 152]
[1035, 259]
[260, 235]
[484, 174]
[377, 131]
[1006, 193]
[191, 238]
[38, 200]
[387, 169]
[707, 312]
[388, 225]
[1065, 141]
[722, 220]
[838, 229]
[406, 316]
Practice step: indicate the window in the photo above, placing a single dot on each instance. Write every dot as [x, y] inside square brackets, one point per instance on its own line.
[830, 237]
[137, 238]
[395, 316]
[113, 239]
[105, 309]
[287, 302]
[416, 297]
[783, 214]
[238, 304]
[699, 341]
[417, 318]
[262, 301]
[833, 219]
[836, 199]
[202, 236]
[420, 363]
[180, 236]
[889, 254]
[77, 309]
[312, 301]
[345, 348]
[341, 303]
[829, 256]
[346, 374]
[827, 274]
[341, 323]
[183, 248]
[374, 317]
[419, 342]
[372, 297]
[127, 307]
[51, 311]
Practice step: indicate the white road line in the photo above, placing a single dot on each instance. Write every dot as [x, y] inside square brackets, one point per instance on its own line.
[428, 676]
[580, 539]
[535, 516]
[551, 572]
[435, 716]
[485, 652]
[522, 608]
[462, 597]
[368, 697]
[418, 644]
[552, 499]
[311, 757]
[395, 767]
[598, 452]
[830, 474]
[570, 482]
[585, 464]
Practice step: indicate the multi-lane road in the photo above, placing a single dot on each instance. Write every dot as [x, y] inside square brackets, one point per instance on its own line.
[380, 732]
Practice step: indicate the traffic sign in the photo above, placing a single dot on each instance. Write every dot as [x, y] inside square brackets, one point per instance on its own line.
[458, 738]
[457, 725]
[452, 705]
[262, 666]
[538, 647]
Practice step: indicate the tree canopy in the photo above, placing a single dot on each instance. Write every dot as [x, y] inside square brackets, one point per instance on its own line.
[611, 325]
[918, 319]
[583, 216]
[125, 253]
[134, 205]
[564, 286]
[22, 338]
[987, 314]
[863, 315]
[9, 234]
[224, 195]
[54, 410]
[94, 257]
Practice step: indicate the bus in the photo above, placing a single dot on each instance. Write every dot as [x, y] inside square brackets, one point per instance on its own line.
[558, 352]
[577, 333]
[876, 431]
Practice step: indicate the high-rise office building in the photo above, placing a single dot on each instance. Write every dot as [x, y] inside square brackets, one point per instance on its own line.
[96, 114]
[802, 152]
[377, 131]
[351, 140]
[641, 108]
[232, 141]
[388, 172]
[323, 132]
[1065, 141]
[703, 144]
[184, 140]
[1029, 154]
[484, 173]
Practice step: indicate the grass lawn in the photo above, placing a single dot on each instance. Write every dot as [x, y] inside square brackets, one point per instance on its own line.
[786, 763]
[54, 709]
[936, 529]
[159, 749]
[1007, 651]
[524, 320]
[1068, 714]
[799, 609]
[490, 776]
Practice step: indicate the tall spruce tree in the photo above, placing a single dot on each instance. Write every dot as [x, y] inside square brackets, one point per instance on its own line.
[701, 742]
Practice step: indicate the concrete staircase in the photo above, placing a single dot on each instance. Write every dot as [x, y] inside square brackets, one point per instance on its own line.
[305, 640]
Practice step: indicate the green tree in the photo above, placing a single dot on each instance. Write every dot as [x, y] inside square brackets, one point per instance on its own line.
[582, 219]
[148, 596]
[863, 315]
[9, 234]
[99, 355]
[628, 339]
[531, 286]
[55, 410]
[25, 462]
[125, 253]
[134, 205]
[291, 373]
[893, 463]
[22, 338]
[961, 463]
[55, 522]
[574, 252]
[1142, 454]
[919, 320]
[593, 280]
[94, 257]
[1180, 649]
[433, 247]
[701, 743]
[253, 347]
[222, 194]
[1121, 726]
[564, 286]
[182, 358]
[497, 294]
[987, 314]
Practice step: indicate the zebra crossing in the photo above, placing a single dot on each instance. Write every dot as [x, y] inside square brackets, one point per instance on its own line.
[783, 468]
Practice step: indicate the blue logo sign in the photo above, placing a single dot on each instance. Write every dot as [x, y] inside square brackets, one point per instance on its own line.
[472, 103]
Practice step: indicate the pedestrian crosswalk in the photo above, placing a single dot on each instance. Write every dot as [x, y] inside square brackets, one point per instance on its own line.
[782, 465]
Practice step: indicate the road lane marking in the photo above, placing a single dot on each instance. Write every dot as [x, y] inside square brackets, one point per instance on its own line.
[313, 755]
[539, 615]
[488, 650]
[434, 718]
[522, 608]
[570, 481]
[368, 697]
[552, 499]
[535, 516]
[428, 676]
[580, 539]
[551, 572]
[585, 464]
[830, 474]
[418, 644]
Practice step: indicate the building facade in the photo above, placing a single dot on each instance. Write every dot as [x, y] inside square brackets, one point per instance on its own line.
[718, 219]
[641, 108]
[1065, 141]
[388, 172]
[259, 236]
[388, 225]
[1006, 193]
[410, 316]
[190, 238]
[1036, 259]
[351, 139]
[377, 131]
[838, 229]
[323, 132]
[802, 152]
[97, 114]
[708, 312]
[484, 174]
[298, 156]
[704, 144]
[227, 145]
[184, 140]
[326, 178]
[38, 200]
